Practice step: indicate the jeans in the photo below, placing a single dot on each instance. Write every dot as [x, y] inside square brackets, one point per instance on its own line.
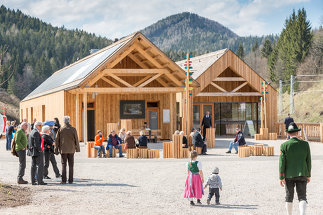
[99, 148]
[235, 145]
[70, 159]
[300, 183]
[50, 157]
[9, 139]
[216, 192]
[22, 163]
[37, 164]
[116, 147]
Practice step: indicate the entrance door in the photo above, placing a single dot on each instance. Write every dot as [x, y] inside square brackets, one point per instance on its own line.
[153, 117]
[91, 125]
[199, 110]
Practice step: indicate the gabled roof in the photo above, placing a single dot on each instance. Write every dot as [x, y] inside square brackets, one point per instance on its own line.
[201, 63]
[72, 75]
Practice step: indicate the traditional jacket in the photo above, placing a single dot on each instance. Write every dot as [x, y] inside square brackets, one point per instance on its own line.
[295, 159]
[193, 168]
[21, 140]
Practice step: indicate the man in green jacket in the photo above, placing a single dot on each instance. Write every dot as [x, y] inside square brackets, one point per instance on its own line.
[295, 168]
[21, 145]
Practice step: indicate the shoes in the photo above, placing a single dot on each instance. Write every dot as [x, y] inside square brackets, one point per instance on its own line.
[46, 177]
[63, 182]
[217, 203]
[42, 183]
[22, 181]
[199, 202]
[192, 203]
[208, 201]
[70, 182]
[34, 183]
[236, 152]
[121, 156]
[58, 176]
[204, 153]
[228, 152]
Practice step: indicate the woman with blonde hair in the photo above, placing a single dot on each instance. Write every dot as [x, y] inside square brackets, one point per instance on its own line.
[122, 135]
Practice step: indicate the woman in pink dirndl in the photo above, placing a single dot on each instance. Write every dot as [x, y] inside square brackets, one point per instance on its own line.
[195, 180]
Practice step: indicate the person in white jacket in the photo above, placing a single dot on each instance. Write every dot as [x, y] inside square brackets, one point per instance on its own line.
[215, 184]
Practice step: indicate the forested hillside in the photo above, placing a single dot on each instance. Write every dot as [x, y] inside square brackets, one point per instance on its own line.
[31, 50]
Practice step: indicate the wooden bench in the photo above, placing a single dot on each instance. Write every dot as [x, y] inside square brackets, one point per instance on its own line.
[272, 136]
[268, 151]
[210, 137]
[243, 151]
[167, 150]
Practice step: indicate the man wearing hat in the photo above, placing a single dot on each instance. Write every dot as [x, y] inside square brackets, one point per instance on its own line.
[295, 168]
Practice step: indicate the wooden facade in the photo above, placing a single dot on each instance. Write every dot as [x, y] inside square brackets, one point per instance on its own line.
[140, 71]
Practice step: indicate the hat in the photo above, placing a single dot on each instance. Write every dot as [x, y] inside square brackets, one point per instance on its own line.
[215, 171]
[292, 128]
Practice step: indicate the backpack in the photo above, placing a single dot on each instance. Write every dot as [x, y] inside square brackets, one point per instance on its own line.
[13, 146]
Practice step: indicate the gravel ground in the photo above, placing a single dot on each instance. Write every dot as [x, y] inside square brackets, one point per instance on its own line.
[135, 186]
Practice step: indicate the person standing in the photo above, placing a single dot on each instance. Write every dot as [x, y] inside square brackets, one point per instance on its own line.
[28, 130]
[56, 127]
[33, 124]
[67, 144]
[287, 121]
[9, 135]
[49, 152]
[36, 151]
[206, 123]
[21, 146]
[215, 185]
[295, 168]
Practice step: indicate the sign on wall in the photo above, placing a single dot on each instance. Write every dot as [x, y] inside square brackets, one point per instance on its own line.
[166, 116]
[249, 128]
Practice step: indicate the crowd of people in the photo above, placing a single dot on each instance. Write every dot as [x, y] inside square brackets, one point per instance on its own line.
[42, 142]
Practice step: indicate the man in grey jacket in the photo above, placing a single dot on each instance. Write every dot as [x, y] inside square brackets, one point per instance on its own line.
[35, 150]
[215, 183]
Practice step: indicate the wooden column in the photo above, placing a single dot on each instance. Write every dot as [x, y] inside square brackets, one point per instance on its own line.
[321, 132]
[171, 110]
[77, 115]
[85, 117]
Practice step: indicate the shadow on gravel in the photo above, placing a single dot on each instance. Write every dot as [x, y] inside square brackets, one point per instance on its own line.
[228, 206]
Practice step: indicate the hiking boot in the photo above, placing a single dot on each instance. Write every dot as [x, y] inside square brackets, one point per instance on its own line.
[58, 176]
[34, 183]
[46, 177]
[42, 183]
[208, 201]
[228, 152]
[121, 156]
[63, 182]
[217, 203]
[192, 203]
[22, 181]
[236, 152]
[199, 202]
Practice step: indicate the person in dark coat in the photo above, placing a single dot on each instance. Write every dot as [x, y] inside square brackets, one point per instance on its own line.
[238, 141]
[55, 128]
[114, 141]
[130, 142]
[288, 120]
[184, 145]
[36, 151]
[49, 152]
[10, 129]
[198, 141]
[142, 140]
[67, 143]
[206, 123]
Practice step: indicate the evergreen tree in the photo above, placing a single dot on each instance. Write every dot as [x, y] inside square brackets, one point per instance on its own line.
[255, 46]
[240, 51]
[266, 49]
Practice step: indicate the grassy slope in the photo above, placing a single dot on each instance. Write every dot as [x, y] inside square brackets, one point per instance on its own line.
[308, 105]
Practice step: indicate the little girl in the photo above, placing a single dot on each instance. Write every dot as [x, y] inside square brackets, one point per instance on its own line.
[195, 180]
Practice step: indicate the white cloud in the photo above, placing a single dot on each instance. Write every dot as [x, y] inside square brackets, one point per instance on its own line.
[117, 18]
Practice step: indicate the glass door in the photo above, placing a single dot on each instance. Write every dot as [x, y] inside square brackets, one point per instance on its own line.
[196, 116]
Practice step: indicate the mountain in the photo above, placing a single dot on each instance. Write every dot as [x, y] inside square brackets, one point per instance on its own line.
[189, 32]
[31, 50]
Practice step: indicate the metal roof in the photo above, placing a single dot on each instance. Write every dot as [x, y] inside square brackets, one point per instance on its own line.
[201, 63]
[72, 75]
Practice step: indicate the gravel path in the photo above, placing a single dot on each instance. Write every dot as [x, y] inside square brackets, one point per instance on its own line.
[134, 186]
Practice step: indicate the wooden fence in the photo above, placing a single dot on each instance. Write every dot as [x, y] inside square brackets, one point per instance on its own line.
[310, 131]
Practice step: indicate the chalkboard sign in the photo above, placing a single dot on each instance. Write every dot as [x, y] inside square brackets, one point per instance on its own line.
[249, 129]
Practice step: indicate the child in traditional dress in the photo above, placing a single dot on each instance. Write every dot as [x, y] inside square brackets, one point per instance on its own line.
[214, 182]
[195, 180]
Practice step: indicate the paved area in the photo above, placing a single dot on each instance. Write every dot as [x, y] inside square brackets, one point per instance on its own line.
[137, 186]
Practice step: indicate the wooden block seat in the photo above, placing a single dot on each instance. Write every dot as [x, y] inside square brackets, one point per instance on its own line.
[167, 150]
[210, 137]
[269, 151]
[272, 136]
[132, 153]
[153, 153]
[257, 150]
[243, 151]
[143, 153]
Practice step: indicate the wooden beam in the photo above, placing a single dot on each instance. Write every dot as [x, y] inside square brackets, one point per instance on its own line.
[142, 80]
[229, 79]
[147, 56]
[171, 110]
[127, 90]
[163, 83]
[239, 87]
[110, 82]
[77, 114]
[175, 80]
[137, 61]
[96, 78]
[150, 80]
[230, 94]
[220, 88]
[120, 80]
[85, 117]
[121, 56]
[135, 71]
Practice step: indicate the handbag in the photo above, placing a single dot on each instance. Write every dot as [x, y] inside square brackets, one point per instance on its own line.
[13, 146]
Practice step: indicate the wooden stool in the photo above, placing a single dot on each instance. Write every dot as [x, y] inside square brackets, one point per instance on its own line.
[143, 153]
[167, 150]
[132, 153]
[265, 134]
[272, 136]
[269, 151]
[177, 145]
[94, 152]
[185, 153]
[153, 153]
[262, 146]
[258, 137]
[114, 152]
[243, 151]
[251, 149]
[257, 150]
[198, 150]
[210, 137]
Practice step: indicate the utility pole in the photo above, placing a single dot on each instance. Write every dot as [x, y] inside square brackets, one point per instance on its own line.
[280, 102]
[291, 104]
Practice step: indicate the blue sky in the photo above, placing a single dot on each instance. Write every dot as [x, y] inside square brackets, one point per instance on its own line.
[117, 18]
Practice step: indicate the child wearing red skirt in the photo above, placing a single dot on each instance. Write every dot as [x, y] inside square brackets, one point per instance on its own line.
[194, 181]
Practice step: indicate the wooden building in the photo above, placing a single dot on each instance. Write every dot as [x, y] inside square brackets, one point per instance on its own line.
[132, 79]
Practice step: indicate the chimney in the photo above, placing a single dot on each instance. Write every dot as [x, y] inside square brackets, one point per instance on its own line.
[116, 40]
